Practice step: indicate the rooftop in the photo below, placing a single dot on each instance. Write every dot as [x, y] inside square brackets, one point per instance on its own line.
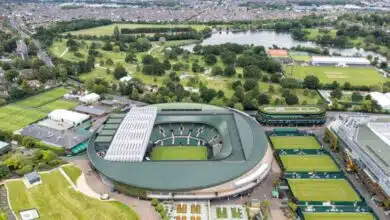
[4, 144]
[90, 110]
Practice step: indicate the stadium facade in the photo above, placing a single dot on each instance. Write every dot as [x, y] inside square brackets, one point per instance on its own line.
[134, 150]
[291, 115]
[365, 144]
[341, 61]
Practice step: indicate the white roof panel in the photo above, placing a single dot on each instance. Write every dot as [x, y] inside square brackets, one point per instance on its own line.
[68, 116]
[346, 60]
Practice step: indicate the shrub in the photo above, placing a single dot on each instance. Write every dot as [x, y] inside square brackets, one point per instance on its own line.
[154, 202]
[159, 207]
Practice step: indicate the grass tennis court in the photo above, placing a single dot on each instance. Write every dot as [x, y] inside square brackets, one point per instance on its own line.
[292, 110]
[179, 153]
[338, 216]
[15, 117]
[43, 98]
[319, 163]
[327, 74]
[323, 190]
[58, 104]
[56, 199]
[294, 142]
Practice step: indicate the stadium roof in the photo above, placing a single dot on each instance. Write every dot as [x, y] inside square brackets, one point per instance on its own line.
[245, 144]
[339, 60]
[292, 110]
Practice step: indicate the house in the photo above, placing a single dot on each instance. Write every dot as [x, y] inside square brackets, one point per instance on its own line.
[32, 178]
[4, 147]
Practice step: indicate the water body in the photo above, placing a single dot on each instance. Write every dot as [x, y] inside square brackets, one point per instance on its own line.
[268, 38]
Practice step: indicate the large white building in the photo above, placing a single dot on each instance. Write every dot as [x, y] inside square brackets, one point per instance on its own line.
[340, 61]
[382, 99]
[73, 118]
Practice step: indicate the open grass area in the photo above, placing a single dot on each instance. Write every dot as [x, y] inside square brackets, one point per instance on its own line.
[14, 117]
[298, 163]
[315, 33]
[323, 190]
[72, 171]
[109, 29]
[43, 98]
[301, 58]
[55, 199]
[327, 74]
[179, 153]
[338, 216]
[222, 212]
[58, 104]
[294, 142]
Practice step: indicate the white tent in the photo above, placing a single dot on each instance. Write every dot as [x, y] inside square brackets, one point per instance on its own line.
[69, 117]
[382, 99]
[90, 98]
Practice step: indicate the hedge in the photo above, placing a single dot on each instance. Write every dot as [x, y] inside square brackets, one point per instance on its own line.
[130, 190]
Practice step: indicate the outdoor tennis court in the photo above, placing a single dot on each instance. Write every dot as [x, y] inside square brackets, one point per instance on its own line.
[295, 142]
[179, 153]
[323, 190]
[338, 216]
[319, 163]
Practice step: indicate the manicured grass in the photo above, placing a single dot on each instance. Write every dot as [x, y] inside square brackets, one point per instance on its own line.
[73, 172]
[236, 213]
[179, 153]
[98, 72]
[15, 117]
[302, 58]
[314, 33]
[338, 216]
[297, 163]
[109, 29]
[58, 104]
[55, 199]
[291, 109]
[295, 142]
[43, 98]
[323, 190]
[222, 212]
[327, 74]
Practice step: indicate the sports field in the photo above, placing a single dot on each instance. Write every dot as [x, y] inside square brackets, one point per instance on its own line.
[56, 199]
[338, 216]
[43, 98]
[323, 190]
[15, 117]
[292, 109]
[294, 142]
[297, 163]
[58, 104]
[109, 29]
[179, 153]
[327, 74]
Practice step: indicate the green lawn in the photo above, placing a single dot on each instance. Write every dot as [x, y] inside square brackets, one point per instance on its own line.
[338, 216]
[297, 163]
[314, 33]
[179, 153]
[323, 190]
[97, 73]
[55, 199]
[14, 117]
[109, 29]
[301, 58]
[43, 98]
[222, 212]
[58, 104]
[327, 74]
[72, 171]
[295, 142]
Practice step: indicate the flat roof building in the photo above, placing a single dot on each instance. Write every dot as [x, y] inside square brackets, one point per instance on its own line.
[4, 147]
[90, 110]
[69, 117]
[328, 60]
[90, 98]
[382, 99]
[32, 177]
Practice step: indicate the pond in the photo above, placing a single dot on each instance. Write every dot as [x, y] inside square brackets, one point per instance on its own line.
[269, 38]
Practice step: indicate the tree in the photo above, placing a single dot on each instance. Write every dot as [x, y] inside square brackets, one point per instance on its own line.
[263, 99]
[291, 99]
[119, 71]
[289, 82]
[229, 71]
[239, 106]
[252, 71]
[116, 49]
[116, 33]
[228, 57]
[250, 84]
[4, 171]
[109, 61]
[271, 89]
[336, 93]
[356, 97]
[210, 59]
[62, 72]
[107, 46]
[311, 82]
[306, 92]
[347, 85]
[147, 59]
[216, 71]
[154, 202]
[11, 75]
[383, 65]
[44, 73]
[167, 64]
[197, 68]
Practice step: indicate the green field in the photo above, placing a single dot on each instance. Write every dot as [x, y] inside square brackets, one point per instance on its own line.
[338, 216]
[14, 117]
[55, 199]
[179, 153]
[327, 74]
[58, 104]
[109, 29]
[297, 163]
[294, 142]
[43, 98]
[72, 171]
[301, 58]
[323, 190]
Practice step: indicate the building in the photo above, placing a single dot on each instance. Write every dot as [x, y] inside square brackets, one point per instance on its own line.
[291, 115]
[365, 145]
[340, 61]
[4, 147]
[92, 111]
[32, 178]
[69, 117]
[382, 99]
[226, 149]
[89, 98]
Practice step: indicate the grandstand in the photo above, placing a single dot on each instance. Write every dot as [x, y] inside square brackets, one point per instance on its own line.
[291, 115]
[226, 148]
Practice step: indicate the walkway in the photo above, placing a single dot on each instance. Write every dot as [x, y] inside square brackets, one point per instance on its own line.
[65, 51]
[144, 209]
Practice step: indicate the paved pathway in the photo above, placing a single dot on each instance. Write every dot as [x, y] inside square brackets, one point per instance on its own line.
[144, 209]
[65, 51]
